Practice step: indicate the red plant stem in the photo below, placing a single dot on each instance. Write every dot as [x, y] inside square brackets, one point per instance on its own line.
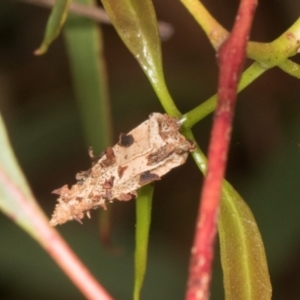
[75, 270]
[231, 58]
[54, 244]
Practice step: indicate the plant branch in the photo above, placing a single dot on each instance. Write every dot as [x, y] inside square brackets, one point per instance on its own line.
[291, 68]
[267, 55]
[274, 53]
[231, 57]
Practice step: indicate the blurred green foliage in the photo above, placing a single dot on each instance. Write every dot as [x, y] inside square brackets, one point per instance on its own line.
[44, 125]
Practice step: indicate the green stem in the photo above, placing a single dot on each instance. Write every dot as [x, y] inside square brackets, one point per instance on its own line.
[143, 220]
[204, 109]
[197, 155]
[269, 54]
[291, 68]
[165, 98]
[235, 216]
[213, 29]
[276, 52]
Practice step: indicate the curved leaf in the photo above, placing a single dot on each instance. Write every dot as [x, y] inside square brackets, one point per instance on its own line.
[84, 45]
[55, 23]
[136, 24]
[243, 256]
[143, 220]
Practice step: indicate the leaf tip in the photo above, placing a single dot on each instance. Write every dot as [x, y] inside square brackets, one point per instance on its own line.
[41, 50]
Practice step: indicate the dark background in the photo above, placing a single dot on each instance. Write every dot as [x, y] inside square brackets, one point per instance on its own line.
[38, 105]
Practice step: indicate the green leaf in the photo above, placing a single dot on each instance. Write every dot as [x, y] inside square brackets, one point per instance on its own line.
[16, 199]
[84, 45]
[85, 51]
[243, 256]
[136, 24]
[54, 25]
[143, 220]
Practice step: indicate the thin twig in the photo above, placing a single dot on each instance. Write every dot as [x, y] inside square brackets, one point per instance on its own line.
[99, 15]
[231, 57]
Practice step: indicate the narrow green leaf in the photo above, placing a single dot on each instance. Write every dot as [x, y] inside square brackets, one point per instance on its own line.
[12, 182]
[85, 51]
[54, 25]
[243, 256]
[143, 220]
[136, 24]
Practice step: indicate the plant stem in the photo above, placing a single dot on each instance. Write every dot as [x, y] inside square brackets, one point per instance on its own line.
[231, 56]
[274, 53]
[54, 244]
[143, 220]
[207, 107]
[291, 68]
[165, 98]
[213, 29]
[267, 55]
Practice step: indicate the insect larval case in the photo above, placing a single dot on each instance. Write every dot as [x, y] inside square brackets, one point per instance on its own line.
[144, 155]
